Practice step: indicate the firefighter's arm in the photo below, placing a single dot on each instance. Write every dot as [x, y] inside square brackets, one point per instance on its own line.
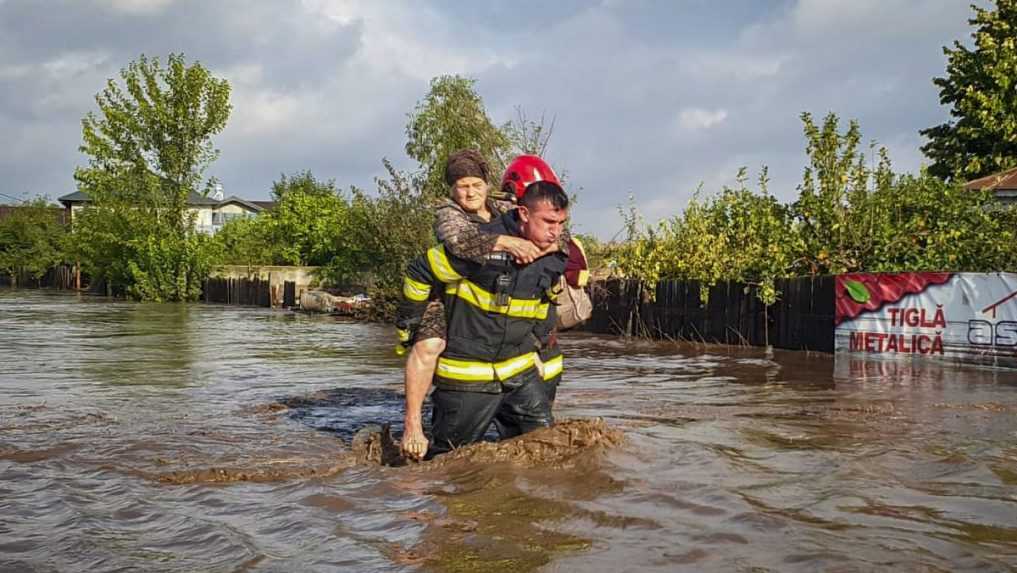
[418, 284]
[424, 276]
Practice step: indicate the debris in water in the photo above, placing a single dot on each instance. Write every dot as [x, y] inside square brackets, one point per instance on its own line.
[560, 445]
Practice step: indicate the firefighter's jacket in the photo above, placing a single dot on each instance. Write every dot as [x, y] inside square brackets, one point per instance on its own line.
[498, 312]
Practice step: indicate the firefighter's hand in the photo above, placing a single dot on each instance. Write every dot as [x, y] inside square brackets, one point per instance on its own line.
[540, 366]
[523, 251]
[414, 444]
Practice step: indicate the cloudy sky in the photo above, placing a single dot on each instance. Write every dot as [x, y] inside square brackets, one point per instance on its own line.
[651, 98]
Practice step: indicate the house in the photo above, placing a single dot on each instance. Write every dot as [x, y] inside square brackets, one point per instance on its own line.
[211, 212]
[1003, 185]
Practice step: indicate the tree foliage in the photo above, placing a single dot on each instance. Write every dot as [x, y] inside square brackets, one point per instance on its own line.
[148, 148]
[308, 218]
[451, 116]
[357, 239]
[849, 216]
[981, 90]
[32, 240]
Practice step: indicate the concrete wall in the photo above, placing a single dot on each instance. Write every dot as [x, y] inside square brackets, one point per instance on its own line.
[303, 277]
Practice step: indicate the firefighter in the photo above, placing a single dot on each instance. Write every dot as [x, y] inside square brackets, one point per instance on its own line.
[574, 305]
[457, 222]
[497, 313]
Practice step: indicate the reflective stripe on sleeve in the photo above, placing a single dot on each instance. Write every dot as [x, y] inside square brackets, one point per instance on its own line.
[440, 265]
[415, 291]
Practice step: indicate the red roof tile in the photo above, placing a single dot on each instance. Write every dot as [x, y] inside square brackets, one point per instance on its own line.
[1003, 181]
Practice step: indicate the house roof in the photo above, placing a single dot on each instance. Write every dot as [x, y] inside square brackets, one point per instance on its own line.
[76, 197]
[1002, 181]
[252, 205]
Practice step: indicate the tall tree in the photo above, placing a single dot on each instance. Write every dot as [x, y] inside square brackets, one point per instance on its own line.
[451, 116]
[148, 148]
[981, 91]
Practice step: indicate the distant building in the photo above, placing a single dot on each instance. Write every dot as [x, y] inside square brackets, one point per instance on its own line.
[211, 212]
[1003, 185]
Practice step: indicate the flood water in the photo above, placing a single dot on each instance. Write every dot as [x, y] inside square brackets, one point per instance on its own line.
[147, 437]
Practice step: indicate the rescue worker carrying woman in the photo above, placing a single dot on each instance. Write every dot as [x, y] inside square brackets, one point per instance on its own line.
[498, 312]
[457, 222]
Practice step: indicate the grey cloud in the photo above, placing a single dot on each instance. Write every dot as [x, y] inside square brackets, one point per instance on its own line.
[331, 94]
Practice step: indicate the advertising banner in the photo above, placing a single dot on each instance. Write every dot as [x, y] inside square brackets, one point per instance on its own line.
[962, 317]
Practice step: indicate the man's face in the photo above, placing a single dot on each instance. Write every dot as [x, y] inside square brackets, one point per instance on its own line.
[543, 223]
[470, 193]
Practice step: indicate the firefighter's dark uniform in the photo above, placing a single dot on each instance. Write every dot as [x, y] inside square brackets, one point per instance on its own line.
[498, 315]
[577, 275]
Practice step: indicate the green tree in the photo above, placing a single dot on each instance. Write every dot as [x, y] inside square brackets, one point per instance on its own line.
[832, 214]
[148, 148]
[981, 90]
[451, 116]
[247, 241]
[308, 218]
[32, 240]
[385, 233]
[921, 223]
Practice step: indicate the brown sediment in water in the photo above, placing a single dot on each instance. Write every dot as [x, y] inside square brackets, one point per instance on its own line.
[258, 472]
[494, 528]
[13, 454]
[492, 524]
[563, 444]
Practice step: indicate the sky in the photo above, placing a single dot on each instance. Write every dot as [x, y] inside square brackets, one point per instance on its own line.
[652, 99]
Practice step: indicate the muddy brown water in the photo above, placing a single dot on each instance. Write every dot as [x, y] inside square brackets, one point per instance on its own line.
[147, 437]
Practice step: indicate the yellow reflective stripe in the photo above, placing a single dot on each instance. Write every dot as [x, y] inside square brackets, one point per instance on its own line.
[484, 300]
[440, 265]
[513, 366]
[584, 277]
[554, 367]
[415, 291]
[404, 335]
[470, 371]
[465, 370]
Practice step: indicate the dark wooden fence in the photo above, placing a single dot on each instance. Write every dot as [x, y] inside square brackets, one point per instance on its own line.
[801, 320]
[247, 292]
[60, 277]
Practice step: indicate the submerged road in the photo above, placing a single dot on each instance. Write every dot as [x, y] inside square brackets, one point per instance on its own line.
[150, 437]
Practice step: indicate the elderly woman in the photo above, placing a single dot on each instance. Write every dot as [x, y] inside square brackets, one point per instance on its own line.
[456, 225]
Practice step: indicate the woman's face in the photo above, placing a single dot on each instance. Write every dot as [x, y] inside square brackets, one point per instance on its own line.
[470, 193]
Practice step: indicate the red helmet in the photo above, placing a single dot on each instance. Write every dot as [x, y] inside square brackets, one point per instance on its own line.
[524, 170]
